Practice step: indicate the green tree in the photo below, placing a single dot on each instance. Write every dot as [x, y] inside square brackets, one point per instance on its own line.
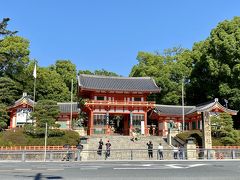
[222, 127]
[168, 71]
[3, 116]
[14, 57]
[50, 85]
[46, 111]
[3, 28]
[101, 72]
[68, 72]
[9, 91]
[216, 60]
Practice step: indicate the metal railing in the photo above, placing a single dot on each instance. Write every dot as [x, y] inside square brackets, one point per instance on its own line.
[118, 154]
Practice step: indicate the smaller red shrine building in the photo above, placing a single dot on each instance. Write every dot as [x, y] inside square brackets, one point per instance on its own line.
[116, 104]
[170, 116]
[21, 109]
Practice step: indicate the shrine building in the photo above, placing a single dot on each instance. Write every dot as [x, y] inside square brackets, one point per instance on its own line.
[21, 109]
[116, 104]
[165, 117]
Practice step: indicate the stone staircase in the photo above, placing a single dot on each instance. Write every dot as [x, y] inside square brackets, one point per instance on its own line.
[122, 148]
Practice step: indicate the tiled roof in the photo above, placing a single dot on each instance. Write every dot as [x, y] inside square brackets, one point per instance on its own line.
[173, 110]
[177, 110]
[25, 98]
[66, 107]
[214, 103]
[108, 83]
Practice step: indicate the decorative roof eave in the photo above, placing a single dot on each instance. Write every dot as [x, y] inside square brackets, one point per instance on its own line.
[24, 100]
[217, 105]
[213, 105]
[120, 90]
[117, 84]
[191, 110]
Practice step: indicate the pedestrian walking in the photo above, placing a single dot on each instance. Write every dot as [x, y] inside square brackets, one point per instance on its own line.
[107, 154]
[79, 147]
[160, 151]
[100, 146]
[150, 149]
[181, 152]
[175, 152]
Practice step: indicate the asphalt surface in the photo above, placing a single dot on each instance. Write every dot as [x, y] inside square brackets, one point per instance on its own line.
[134, 170]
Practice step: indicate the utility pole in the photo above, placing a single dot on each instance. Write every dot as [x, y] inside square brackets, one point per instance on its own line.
[183, 117]
[34, 88]
[45, 143]
[71, 126]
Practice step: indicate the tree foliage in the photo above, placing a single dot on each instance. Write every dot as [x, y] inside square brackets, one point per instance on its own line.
[3, 28]
[101, 72]
[51, 86]
[68, 72]
[9, 90]
[3, 116]
[216, 65]
[222, 127]
[14, 57]
[46, 111]
[168, 70]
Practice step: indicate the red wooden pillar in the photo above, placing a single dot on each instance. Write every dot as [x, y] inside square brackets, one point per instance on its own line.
[164, 127]
[145, 124]
[126, 128]
[11, 120]
[90, 123]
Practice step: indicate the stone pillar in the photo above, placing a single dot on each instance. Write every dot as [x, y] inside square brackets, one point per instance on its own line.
[206, 126]
[191, 151]
[207, 137]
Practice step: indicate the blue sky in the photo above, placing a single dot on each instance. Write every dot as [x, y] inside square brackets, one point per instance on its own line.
[108, 34]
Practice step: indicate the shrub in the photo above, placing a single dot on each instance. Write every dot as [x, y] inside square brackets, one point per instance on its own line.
[18, 137]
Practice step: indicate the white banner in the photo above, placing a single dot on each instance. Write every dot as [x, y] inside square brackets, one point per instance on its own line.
[22, 115]
[142, 127]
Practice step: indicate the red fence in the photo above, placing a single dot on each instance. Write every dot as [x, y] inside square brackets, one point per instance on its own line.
[34, 148]
[226, 147]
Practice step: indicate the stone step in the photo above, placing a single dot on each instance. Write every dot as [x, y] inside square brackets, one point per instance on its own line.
[123, 148]
[124, 142]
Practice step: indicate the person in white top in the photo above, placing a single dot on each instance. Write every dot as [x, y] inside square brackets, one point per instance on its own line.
[160, 151]
[175, 152]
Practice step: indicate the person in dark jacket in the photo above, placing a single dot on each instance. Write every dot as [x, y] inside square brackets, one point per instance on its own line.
[108, 145]
[100, 146]
[150, 149]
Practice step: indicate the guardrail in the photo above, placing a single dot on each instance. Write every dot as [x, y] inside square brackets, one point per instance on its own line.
[117, 154]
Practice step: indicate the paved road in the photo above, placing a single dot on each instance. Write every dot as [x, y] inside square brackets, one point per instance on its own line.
[134, 170]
